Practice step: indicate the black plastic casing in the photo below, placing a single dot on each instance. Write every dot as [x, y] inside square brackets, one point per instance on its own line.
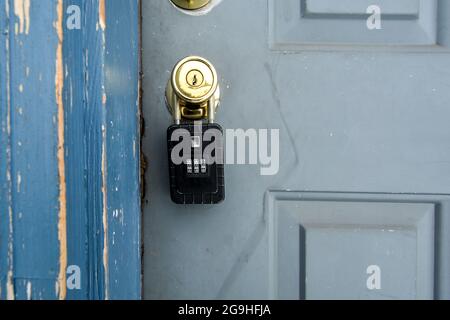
[189, 188]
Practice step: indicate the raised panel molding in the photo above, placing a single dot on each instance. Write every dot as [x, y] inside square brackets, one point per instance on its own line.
[320, 245]
[408, 8]
[407, 25]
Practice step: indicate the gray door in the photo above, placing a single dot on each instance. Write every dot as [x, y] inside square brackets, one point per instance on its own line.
[359, 207]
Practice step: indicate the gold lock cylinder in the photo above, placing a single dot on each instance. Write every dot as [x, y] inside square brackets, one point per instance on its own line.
[193, 91]
[191, 4]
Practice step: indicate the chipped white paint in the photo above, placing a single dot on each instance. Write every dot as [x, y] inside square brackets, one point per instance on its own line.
[71, 94]
[61, 283]
[8, 90]
[57, 290]
[10, 287]
[102, 24]
[119, 215]
[10, 294]
[21, 88]
[19, 181]
[105, 216]
[22, 12]
[29, 290]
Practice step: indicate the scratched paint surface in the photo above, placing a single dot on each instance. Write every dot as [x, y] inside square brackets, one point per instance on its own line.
[32, 177]
[69, 161]
[5, 184]
[123, 148]
[73, 92]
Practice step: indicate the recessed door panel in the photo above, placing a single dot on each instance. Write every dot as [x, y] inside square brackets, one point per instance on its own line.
[354, 250]
[325, 24]
[409, 8]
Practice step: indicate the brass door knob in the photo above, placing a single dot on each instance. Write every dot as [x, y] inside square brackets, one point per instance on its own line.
[193, 91]
[191, 4]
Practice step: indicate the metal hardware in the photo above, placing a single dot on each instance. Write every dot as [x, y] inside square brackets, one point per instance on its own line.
[193, 92]
[192, 96]
[191, 4]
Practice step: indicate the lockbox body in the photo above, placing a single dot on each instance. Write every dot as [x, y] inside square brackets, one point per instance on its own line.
[197, 180]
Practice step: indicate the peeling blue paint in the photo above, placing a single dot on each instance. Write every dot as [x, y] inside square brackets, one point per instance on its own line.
[102, 151]
[122, 63]
[5, 144]
[34, 183]
[76, 149]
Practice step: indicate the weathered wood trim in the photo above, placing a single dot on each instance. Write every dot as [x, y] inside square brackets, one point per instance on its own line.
[108, 89]
[6, 257]
[80, 232]
[30, 129]
[122, 86]
[70, 156]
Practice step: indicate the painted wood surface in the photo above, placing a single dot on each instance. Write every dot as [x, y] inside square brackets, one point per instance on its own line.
[69, 165]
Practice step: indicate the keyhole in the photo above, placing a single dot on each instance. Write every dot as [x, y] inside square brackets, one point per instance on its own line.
[195, 78]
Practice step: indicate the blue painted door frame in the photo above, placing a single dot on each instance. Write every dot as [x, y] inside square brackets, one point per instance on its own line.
[70, 202]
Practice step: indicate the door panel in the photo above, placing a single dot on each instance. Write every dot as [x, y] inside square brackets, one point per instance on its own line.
[325, 245]
[362, 118]
[303, 24]
[399, 7]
